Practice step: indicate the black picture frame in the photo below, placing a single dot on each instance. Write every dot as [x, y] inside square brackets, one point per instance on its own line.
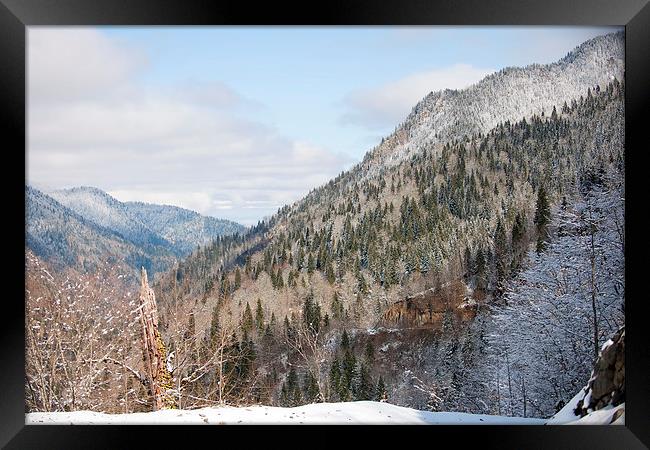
[16, 15]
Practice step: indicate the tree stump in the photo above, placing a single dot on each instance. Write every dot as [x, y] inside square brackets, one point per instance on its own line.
[153, 348]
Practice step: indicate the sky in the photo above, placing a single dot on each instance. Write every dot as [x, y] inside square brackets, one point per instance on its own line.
[235, 122]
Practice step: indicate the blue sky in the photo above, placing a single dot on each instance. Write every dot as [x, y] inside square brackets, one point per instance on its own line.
[301, 103]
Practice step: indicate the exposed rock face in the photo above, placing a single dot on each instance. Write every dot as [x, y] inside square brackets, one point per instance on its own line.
[428, 308]
[607, 383]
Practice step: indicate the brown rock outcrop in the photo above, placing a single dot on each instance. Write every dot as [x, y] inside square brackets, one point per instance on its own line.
[428, 308]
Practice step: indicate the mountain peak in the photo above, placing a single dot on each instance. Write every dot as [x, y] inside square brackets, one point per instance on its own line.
[506, 95]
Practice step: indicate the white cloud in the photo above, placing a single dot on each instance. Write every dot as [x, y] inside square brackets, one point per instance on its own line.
[76, 63]
[389, 104]
[184, 145]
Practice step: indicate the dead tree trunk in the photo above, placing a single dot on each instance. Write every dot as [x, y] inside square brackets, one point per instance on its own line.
[154, 355]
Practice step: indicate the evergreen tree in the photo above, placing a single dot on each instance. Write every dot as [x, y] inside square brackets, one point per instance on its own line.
[542, 217]
[345, 340]
[369, 352]
[501, 252]
[237, 278]
[311, 265]
[380, 390]
[336, 307]
[247, 319]
[279, 280]
[335, 380]
[329, 272]
[311, 313]
[259, 316]
[290, 394]
[310, 389]
[348, 374]
[362, 386]
[518, 232]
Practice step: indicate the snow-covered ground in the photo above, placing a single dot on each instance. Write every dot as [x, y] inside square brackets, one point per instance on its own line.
[601, 417]
[319, 413]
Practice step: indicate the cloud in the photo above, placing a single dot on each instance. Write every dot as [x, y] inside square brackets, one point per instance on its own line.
[76, 63]
[189, 145]
[389, 104]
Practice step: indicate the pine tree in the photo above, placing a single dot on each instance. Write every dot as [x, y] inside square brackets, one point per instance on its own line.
[542, 217]
[518, 232]
[501, 252]
[311, 313]
[290, 394]
[329, 272]
[380, 390]
[279, 280]
[311, 265]
[247, 319]
[345, 340]
[335, 380]
[348, 374]
[369, 352]
[259, 316]
[237, 278]
[362, 385]
[310, 389]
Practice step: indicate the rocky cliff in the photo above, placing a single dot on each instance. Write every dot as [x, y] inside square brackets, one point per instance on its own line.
[429, 308]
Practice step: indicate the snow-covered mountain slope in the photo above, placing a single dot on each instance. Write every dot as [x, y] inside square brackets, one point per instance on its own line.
[176, 229]
[66, 239]
[97, 206]
[81, 227]
[183, 228]
[507, 95]
[317, 413]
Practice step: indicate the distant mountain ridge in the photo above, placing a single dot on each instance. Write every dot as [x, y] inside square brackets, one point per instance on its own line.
[178, 229]
[82, 226]
[97, 206]
[66, 239]
[182, 228]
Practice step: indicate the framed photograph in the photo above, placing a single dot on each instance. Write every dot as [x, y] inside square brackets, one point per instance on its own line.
[386, 214]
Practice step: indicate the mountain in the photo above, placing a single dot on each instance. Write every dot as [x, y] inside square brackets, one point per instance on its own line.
[81, 226]
[507, 95]
[100, 208]
[472, 262]
[60, 235]
[177, 229]
[182, 228]
[407, 253]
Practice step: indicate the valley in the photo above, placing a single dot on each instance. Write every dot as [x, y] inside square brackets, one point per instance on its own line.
[472, 262]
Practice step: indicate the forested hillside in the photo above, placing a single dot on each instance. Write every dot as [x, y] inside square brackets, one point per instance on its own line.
[83, 228]
[473, 262]
[409, 263]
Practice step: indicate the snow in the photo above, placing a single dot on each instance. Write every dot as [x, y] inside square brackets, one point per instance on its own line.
[352, 413]
[566, 414]
[603, 416]
[364, 412]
